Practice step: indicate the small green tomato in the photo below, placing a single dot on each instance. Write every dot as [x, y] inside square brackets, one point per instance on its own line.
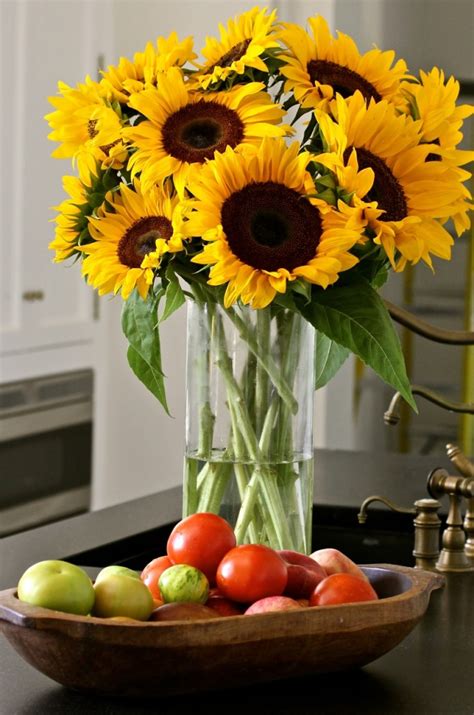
[183, 583]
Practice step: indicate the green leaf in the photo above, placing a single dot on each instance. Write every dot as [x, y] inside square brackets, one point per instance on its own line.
[174, 298]
[328, 181]
[355, 317]
[329, 196]
[380, 278]
[285, 301]
[303, 288]
[140, 327]
[328, 358]
[152, 379]
[96, 200]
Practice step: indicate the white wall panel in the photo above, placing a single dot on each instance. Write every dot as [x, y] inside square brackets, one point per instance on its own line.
[42, 41]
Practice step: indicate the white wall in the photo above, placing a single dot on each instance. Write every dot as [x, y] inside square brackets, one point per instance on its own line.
[424, 32]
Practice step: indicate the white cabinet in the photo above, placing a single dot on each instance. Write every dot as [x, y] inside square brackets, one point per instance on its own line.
[46, 311]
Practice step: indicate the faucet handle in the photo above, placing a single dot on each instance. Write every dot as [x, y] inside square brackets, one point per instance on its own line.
[427, 525]
[427, 528]
[460, 461]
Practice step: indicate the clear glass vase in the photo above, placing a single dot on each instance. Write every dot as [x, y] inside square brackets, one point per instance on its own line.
[249, 421]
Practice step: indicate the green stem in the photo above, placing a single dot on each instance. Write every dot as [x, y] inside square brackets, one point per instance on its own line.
[262, 386]
[214, 487]
[264, 360]
[242, 423]
[190, 490]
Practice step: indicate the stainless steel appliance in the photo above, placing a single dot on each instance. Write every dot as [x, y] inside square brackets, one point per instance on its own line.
[45, 449]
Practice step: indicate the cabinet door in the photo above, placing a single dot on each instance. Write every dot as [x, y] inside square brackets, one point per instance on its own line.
[42, 306]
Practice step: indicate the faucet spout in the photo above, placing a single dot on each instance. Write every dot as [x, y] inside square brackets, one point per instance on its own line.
[362, 515]
[392, 415]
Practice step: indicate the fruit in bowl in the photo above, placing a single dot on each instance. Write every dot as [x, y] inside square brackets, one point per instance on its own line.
[252, 578]
[58, 585]
[183, 583]
[334, 561]
[118, 594]
[304, 574]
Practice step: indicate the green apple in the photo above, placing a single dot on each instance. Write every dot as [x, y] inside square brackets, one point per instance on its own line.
[58, 585]
[183, 583]
[118, 570]
[117, 594]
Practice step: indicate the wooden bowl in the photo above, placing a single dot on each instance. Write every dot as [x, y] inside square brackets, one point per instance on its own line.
[164, 658]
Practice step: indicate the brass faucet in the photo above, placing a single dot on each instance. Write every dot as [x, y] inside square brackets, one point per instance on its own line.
[426, 522]
[466, 468]
[457, 553]
[453, 556]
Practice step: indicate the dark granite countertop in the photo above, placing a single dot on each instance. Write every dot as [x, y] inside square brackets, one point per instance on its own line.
[431, 671]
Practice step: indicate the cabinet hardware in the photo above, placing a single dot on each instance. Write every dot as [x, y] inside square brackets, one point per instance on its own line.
[31, 295]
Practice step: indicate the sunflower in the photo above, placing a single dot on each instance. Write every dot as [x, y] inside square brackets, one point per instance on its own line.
[262, 229]
[319, 66]
[433, 101]
[186, 128]
[405, 196]
[86, 126]
[240, 47]
[131, 77]
[70, 221]
[141, 225]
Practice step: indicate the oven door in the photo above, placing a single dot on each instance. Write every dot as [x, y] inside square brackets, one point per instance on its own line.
[45, 450]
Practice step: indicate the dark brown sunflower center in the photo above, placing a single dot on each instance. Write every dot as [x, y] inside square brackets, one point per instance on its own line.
[341, 79]
[91, 128]
[140, 239]
[386, 189]
[196, 131]
[107, 147]
[269, 226]
[235, 53]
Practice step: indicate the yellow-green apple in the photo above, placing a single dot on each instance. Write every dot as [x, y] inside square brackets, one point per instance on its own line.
[304, 574]
[272, 603]
[118, 570]
[122, 595]
[334, 561]
[58, 585]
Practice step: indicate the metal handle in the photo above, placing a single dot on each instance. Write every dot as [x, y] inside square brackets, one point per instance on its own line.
[32, 295]
[408, 320]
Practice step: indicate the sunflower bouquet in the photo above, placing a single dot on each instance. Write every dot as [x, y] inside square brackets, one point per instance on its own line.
[274, 183]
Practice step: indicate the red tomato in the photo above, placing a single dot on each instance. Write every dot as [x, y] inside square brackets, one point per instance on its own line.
[201, 540]
[250, 572]
[152, 572]
[342, 588]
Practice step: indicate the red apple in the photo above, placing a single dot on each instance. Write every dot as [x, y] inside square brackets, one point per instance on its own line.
[272, 603]
[223, 606]
[334, 561]
[304, 574]
[183, 612]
